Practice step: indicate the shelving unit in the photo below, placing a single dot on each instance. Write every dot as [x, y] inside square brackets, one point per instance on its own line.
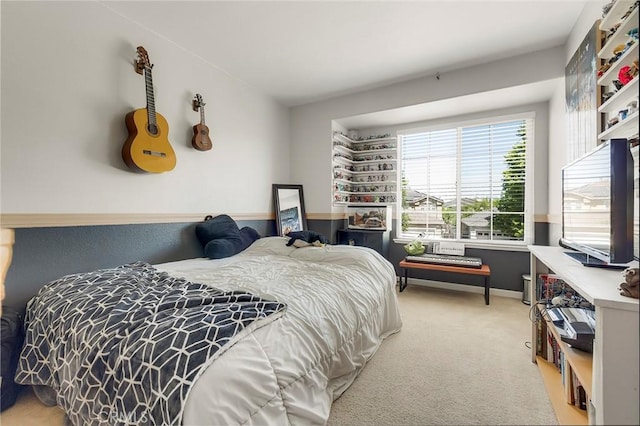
[563, 369]
[567, 414]
[610, 374]
[618, 101]
[364, 171]
[620, 36]
[625, 59]
[626, 127]
[623, 130]
[577, 365]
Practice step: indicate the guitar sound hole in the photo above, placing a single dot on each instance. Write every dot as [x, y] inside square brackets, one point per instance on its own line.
[153, 129]
[154, 153]
[202, 132]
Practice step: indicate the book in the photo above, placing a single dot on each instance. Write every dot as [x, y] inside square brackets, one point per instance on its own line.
[540, 337]
[581, 402]
[562, 369]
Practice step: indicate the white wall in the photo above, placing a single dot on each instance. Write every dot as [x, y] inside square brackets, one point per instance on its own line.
[311, 124]
[558, 155]
[67, 83]
[539, 152]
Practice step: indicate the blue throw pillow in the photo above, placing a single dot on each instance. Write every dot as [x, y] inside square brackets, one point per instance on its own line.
[220, 237]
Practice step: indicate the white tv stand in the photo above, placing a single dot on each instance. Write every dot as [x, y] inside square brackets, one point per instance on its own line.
[611, 373]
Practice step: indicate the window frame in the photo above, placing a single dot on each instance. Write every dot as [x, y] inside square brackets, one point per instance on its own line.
[529, 178]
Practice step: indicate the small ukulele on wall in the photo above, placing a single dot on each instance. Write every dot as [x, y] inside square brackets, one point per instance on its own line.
[147, 148]
[201, 140]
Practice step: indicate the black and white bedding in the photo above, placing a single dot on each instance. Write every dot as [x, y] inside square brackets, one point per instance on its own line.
[320, 313]
[124, 345]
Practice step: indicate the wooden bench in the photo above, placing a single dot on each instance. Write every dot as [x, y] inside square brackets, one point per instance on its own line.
[483, 271]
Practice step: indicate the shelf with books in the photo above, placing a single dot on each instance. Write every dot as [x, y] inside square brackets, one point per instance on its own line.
[567, 414]
[581, 362]
[609, 375]
[573, 366]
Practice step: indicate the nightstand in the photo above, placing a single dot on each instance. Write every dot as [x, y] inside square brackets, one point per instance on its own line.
[362, 237]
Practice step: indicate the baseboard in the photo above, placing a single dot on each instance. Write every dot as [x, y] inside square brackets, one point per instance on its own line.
[465, 287]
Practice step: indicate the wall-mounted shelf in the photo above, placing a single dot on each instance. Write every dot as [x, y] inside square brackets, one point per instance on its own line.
[624, 15]
[615, 14]
[622, 97]
[625, 59]
[620, 36]
[364, 170]
[622, 130]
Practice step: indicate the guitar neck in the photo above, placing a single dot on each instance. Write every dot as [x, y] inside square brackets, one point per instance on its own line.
[151, 105]
[202, 115]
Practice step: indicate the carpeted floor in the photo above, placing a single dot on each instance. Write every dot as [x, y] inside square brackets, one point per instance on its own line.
[456, 361]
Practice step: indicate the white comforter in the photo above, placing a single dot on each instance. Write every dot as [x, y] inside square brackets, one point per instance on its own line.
[341, 304]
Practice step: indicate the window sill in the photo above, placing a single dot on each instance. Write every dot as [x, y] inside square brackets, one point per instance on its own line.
[519, 246]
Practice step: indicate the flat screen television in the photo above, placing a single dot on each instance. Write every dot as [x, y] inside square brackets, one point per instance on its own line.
[597, 206]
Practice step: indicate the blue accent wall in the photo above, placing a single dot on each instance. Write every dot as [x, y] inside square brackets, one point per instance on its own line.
[41, 255]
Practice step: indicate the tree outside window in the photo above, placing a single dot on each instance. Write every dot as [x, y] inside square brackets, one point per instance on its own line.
[466, 183]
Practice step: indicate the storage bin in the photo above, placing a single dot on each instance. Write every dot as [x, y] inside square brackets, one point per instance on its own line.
[526, 278]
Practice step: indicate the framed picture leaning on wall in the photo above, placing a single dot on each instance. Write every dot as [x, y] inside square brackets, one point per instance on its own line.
[288, 202]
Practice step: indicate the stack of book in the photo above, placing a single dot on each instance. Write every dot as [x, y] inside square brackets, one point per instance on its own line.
[552, 350]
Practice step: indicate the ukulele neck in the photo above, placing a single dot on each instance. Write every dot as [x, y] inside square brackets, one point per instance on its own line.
[202, 115]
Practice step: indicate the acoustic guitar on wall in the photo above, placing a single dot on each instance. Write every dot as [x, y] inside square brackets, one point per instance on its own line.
[201, 140]
[147, 148]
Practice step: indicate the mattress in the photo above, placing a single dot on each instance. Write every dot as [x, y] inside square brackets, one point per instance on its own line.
[341, 304]
[309, 321]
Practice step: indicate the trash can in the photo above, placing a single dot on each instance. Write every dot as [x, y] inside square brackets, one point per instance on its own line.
[526, 278]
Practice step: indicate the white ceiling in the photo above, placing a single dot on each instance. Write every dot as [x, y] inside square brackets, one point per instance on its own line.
[304, 51]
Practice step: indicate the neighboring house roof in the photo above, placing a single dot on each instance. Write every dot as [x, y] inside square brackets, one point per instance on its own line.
[476, 220]
[417, 197]
[463, 202]
[592, 191]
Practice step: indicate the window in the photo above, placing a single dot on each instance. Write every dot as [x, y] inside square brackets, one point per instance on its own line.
[468, 182]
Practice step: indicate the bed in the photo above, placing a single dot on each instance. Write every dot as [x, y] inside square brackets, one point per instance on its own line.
[325, 311]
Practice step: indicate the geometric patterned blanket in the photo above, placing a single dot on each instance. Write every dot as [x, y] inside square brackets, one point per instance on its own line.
[125, 345]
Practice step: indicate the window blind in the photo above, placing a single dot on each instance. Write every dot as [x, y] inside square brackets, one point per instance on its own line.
[466, 182]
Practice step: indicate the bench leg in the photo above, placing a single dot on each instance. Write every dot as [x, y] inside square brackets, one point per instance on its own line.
[406, 273]
[486, 290]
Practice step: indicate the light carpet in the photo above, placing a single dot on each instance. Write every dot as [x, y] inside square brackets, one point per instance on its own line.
[456, 361]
